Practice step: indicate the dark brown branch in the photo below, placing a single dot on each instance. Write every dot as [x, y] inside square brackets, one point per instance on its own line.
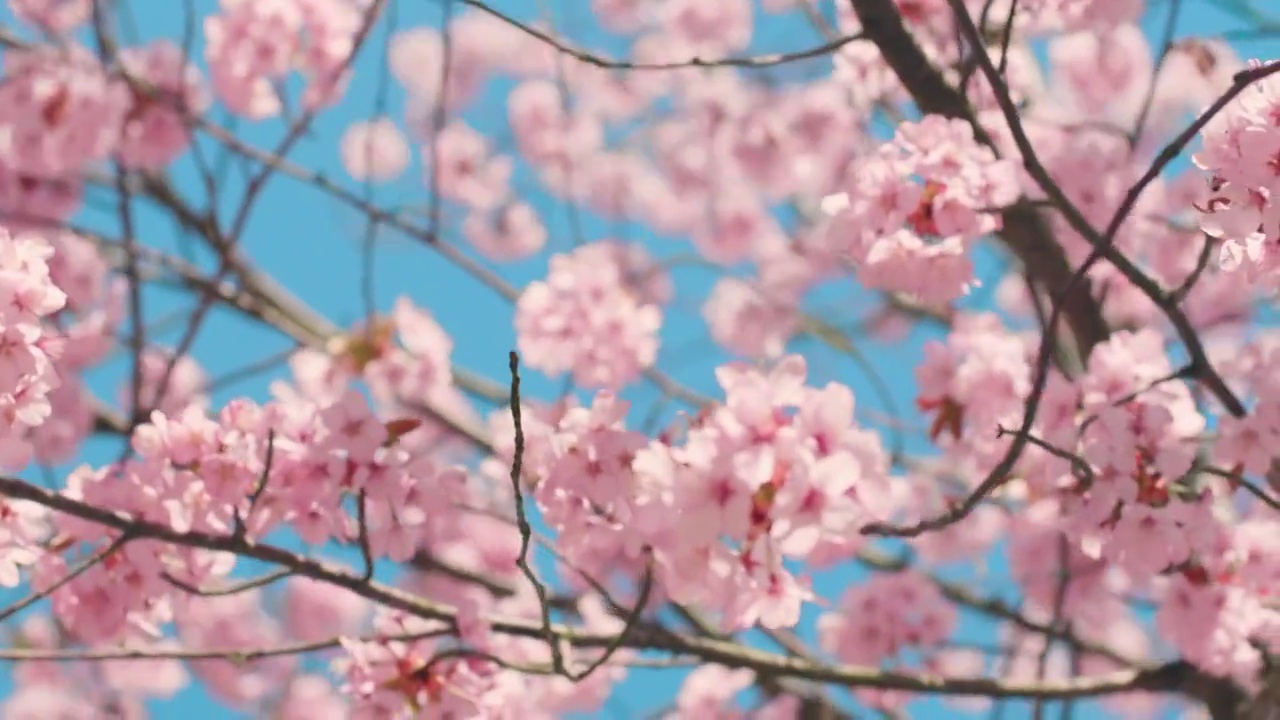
[1076, 285]
[1173, 677]
[1024, 230]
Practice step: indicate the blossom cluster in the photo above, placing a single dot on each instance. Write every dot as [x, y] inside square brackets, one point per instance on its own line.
[1108, 439]
[780, 471]
[1239, 157]
[251, 44]
[597, 315]
[913, 236]
[64, 112]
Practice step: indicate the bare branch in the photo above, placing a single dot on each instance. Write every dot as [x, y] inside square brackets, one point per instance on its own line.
[759, 61]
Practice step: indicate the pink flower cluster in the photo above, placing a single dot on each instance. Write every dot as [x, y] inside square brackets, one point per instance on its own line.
[1139, 436]
[1038, 555]
[27, 351]
[468, 172]
[1131, 481]
[1122, 506]
[1222, 616]
[49, 336]
[85, 326]
[907, 215]
[399, 375]
[972, 383]
[74, 690]
[259, 468]
[62, 111]
[410, 666]
[374, 151]
[251, 44]
[1082, 14]
[1245, 443]
[712, 691]
[212, 474]
[1241, 145]
[166, 94]
[596, 315]
[553, 137]
[780, 471]
[886, 615]
[55, 16]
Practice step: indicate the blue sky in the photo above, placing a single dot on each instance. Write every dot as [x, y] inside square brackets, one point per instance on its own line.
[311, 245]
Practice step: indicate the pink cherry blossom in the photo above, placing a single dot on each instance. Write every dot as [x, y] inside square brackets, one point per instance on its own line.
[879, 619]
[374, 150]
[156, 127]
[61, 111]
[58, 16]
[746, 320]
[512, 232]
[465, 171]
[596, 315]
[878, 354]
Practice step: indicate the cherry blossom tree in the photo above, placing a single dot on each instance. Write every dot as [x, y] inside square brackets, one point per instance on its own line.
[1047, 225]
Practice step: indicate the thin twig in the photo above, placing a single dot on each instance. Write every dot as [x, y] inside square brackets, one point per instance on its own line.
[1172, 677]
[239, 528]
[759, 61]
[362, 520]
[38, 595]
[166, 653]
[231, 589]
[522, 520]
